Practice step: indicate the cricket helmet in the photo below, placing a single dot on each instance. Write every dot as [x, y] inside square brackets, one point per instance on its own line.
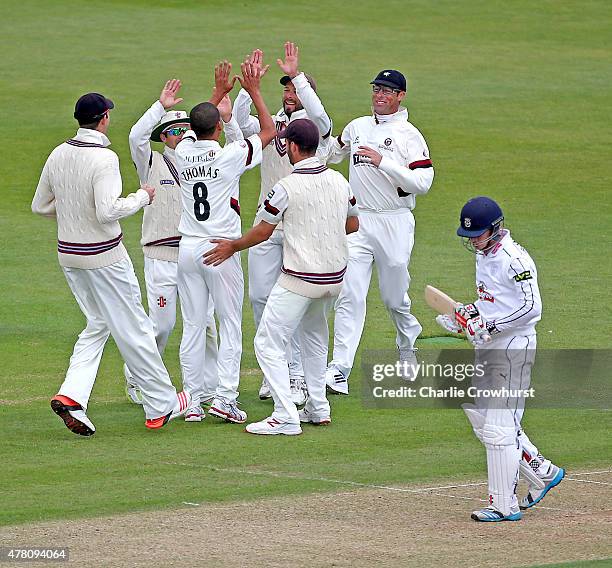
[478, 215]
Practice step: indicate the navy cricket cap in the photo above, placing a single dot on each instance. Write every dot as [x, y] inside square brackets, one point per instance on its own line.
[303, 132]
[478, 215]
[92, 106]
[390, 78]
[286, 79]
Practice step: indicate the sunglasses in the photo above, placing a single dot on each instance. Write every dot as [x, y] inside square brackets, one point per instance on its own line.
[384, 90]
[176, 131]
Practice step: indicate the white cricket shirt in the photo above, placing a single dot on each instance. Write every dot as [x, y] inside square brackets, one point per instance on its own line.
[210, 176]
[405, 169]
[507, 287]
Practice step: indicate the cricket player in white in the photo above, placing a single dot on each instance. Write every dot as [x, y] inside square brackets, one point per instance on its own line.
[210, 178]
[160, 237]
[81, 186]
[389, 166]
[318, 210]
[502, 326]
[300, 100]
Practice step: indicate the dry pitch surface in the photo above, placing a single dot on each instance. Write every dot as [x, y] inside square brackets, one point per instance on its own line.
[367, 526]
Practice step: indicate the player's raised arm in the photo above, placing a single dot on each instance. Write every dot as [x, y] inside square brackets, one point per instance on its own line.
[140, 134]
[242, 105]
[250, 81]
[305, 89]
[230, 126]
[224, 83]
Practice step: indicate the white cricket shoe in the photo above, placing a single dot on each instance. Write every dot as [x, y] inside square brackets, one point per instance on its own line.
[264, 390]
[408, 369]
[133, 393]
[131, 390]
[299, 393]
[271, 426]
[227, 410]
[535, 495]
[492, 515]
[195, 413]
[335, 380]
[312, 418]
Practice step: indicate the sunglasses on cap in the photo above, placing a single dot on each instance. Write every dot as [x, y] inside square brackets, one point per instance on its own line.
[175, 131]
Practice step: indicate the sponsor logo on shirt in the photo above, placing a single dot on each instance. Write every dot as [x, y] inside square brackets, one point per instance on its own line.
[201, 157]
[359, 160]
[523, 276]
[386, 145]
[166, 182]
[484, 294]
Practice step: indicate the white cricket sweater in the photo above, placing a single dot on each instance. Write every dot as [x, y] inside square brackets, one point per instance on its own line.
[81, 186]
[315, 250]
[160, 221]
[275, 163]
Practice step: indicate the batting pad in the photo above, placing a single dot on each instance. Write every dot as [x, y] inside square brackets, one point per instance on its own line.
[476, 418]
[503, 471]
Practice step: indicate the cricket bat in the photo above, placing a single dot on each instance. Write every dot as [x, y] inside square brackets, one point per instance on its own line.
[444, 304]
[439, 301]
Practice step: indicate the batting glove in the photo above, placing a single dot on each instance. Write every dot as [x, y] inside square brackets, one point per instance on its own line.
[465, 312]
[448, 323]
[476, 331]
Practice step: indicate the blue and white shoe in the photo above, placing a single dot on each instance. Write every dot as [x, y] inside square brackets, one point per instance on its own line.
[492, 515]
[534, 496]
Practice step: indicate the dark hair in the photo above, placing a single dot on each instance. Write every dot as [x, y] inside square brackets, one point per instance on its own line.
[306, 149]
[88, 123]
[204, 119]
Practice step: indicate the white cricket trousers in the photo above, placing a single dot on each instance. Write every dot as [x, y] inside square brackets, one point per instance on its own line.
[265, 262]
[110, 299]
[286, 312]
[224, 284]
[161, 279]
[384, 239]
[509, 360]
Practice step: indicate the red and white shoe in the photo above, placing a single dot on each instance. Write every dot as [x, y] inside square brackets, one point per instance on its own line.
[195, 413]
[312, 418]
[228, 410]
[73, 415]
[182, 405]
[271, 426]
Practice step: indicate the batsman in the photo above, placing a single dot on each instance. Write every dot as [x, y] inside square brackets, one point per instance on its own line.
[501, 324]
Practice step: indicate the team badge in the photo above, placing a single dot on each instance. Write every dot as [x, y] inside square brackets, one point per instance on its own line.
[483, 294]
[467, 222]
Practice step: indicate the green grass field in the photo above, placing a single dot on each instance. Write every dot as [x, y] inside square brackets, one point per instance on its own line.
[513, 99]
